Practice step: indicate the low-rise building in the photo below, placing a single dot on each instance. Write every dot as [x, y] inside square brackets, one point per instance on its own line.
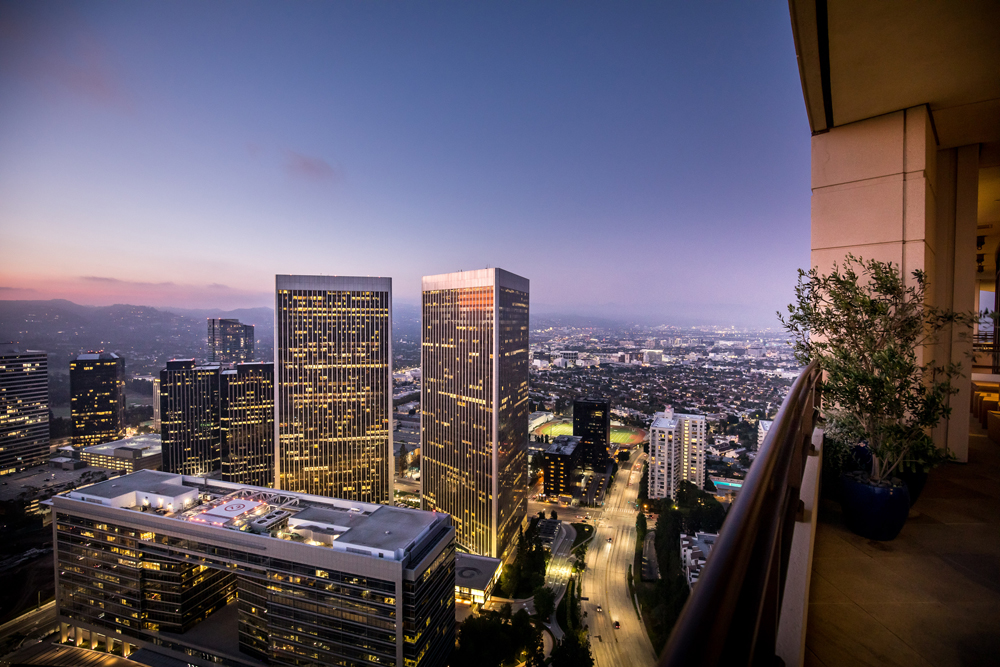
[695, 550]
[561, 459]
[475, 577]
[138, 452]
[763, 426]
[547, 530]
[652, 356]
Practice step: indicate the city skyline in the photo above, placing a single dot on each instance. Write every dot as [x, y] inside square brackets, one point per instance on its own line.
[559, 126]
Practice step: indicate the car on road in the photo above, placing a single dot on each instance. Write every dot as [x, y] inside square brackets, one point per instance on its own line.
[599, 608]
[609, 540]
[617, 625]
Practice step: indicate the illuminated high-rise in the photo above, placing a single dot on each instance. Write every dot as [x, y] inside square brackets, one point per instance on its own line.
[333, 386]
[24, 408]
[97, 398]
[189, 417]
[247, 424]
[474, 405]
[230, 341]
[676, 452]
[592, 424]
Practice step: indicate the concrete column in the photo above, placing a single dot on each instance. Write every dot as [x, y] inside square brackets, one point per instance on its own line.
[873, 192]
[63, 632]
[874, 188]
[965, 214]
[882, 190]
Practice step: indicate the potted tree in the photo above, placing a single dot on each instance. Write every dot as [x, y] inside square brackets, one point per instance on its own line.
[868, 329]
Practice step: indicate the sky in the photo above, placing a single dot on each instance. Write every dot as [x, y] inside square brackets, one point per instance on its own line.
[643, 161]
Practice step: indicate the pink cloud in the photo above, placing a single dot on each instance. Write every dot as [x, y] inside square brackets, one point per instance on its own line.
[106, 290]
[311, 168]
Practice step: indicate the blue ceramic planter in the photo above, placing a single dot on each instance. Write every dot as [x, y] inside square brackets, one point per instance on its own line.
[875, 512]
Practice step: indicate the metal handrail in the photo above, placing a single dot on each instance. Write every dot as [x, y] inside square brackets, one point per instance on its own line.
[731, 617]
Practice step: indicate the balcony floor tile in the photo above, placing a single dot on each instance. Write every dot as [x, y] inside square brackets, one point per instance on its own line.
[929, 597]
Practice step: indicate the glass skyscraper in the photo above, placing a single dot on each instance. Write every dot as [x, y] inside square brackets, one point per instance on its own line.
[97, 398]
[474, 405]
[592, 424]
[229, 341]
[24, 408]
[247, 424]
[333, 400]
[189, 417]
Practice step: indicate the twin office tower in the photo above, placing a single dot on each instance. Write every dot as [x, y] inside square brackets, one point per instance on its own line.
[333, 396]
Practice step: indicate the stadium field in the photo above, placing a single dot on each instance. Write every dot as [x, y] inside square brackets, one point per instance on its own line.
[620, 435]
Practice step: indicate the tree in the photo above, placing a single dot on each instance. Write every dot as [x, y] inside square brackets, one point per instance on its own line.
[497, 638]
[553, 515]
[545, 602]
[640, 526]
[573, 651]
[623, 456]
[863, 323]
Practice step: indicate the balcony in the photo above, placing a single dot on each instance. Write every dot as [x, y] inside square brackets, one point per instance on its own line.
[787, 585]
[929, 597]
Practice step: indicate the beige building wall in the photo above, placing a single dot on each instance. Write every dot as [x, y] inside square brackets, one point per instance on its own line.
[882, 190]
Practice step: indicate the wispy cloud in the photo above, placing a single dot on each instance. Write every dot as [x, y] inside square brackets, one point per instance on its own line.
[68, 59]
[311, 168]
[118, 281]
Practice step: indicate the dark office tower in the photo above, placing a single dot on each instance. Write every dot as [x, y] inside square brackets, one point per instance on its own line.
[333, 391]
[190, 417]
[24, 408]
[474, 405]
[247, 424]
[229, 342]
[592, 424]
[97, 398]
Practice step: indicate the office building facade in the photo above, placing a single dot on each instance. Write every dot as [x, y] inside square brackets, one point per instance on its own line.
[560, 462]
[247, 424]
[145, 557]
[230, 341]
[97, 398]
[333, 391]
[24, 408]
[138, 452]
[156, 404]
[592, 424]
[474, 405]
[676, 452]
[190, 417]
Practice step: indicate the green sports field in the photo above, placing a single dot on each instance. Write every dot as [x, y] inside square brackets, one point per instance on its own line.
[620, 435]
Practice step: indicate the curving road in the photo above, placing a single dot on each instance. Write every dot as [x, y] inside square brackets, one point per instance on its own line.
[605, 580]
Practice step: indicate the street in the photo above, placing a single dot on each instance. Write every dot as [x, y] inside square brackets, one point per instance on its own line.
[35, 623]
[605, 581]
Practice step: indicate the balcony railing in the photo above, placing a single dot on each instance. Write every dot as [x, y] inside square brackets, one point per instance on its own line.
[732, 616]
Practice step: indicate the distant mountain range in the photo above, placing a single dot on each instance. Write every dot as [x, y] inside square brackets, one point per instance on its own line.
[146, 337]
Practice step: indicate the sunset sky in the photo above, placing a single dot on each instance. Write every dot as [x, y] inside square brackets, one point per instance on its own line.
[633, 160]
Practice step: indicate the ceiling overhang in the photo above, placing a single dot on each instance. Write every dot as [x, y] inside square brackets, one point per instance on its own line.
[860, 59]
